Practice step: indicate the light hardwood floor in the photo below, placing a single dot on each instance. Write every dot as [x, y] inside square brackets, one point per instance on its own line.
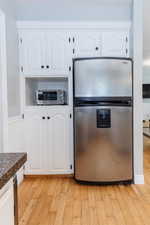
[61, 201]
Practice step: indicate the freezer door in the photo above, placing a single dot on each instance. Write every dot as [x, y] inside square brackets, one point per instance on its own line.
[103, 144]
[103, 77]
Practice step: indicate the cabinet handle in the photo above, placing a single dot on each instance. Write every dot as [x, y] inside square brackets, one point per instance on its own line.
[43, 117]
[42, 67]
[48, 118]
[97, 48]
[47, 66]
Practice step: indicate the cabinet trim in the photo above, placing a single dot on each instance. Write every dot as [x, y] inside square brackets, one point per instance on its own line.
[14, 119]
[73, 25]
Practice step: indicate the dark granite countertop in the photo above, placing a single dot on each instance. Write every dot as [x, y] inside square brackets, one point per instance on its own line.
[10, 163]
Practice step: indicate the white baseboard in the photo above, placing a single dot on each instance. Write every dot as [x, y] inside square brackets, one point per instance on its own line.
[139, 179]
[45, 172]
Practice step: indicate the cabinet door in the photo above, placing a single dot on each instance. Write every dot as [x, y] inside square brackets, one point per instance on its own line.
[58, 141]
[87, 44]
[58, 53]
[7, 208]
[35, 139]
[115, 44]
[32, 51]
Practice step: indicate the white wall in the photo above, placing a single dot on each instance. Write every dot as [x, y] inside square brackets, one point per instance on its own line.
[146, 56]
[8, 7]
[138, 101]
[146, 79]
[146, 17]
[73, 9]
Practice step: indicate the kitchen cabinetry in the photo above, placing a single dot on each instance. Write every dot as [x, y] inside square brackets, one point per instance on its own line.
[115, 44]
[58, 53]
[7, 205]
[87, 44]
[58, 139]
[44, 53]
[32, 55]
[34, 127]
[49, 51]
[47, 141]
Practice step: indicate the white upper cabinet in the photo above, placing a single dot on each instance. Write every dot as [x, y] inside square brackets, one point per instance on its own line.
[32, 57]
[49, 50]
[45, 53]
[87, 44]
[115, 44]
[58, 53]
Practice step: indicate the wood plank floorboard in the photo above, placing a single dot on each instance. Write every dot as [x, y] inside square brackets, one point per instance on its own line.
[61, 201]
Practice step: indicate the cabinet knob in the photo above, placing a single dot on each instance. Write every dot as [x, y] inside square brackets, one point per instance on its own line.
[43, 117]
[42, 67]
[97, 48]
[48, 118]
[47, 66]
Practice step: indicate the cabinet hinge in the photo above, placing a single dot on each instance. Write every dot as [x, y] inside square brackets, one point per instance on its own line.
[71, 166]
[69, 39]
[21, 68]
[70, 115]
[69, 68]
[73, 39]
[73, 51]
[126, 51]
[21, 40]
[126, 39]
[23, 116]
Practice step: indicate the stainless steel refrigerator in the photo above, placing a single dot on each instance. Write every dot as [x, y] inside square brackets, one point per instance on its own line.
[103, 120]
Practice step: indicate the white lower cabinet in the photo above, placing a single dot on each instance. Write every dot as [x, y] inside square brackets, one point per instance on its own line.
[58, 140]
[48, 141]
[35, 131]
[7, 205]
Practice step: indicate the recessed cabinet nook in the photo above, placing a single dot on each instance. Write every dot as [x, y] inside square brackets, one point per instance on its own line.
[46, 62]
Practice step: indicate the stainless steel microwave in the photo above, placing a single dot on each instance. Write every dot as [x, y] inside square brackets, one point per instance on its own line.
[50, 97]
